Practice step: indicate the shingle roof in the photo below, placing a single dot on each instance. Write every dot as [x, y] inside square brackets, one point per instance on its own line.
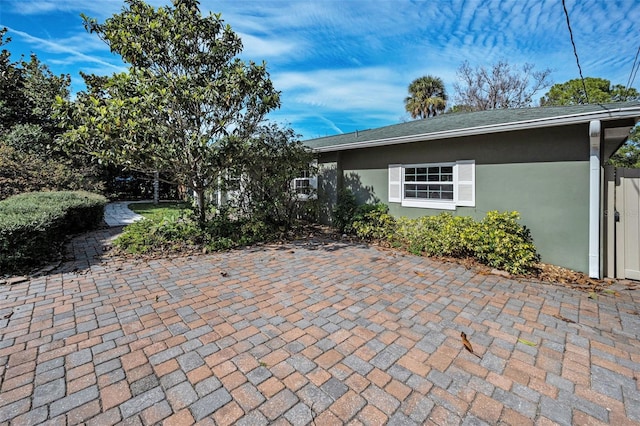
[461, 124]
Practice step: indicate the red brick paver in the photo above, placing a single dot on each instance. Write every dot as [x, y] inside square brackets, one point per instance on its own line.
[309, 332]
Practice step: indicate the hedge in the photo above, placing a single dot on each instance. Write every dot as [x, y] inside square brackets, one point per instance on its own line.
[498, 240]
[33, 224]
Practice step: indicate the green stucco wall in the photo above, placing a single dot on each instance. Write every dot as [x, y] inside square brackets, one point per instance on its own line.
[543, 174]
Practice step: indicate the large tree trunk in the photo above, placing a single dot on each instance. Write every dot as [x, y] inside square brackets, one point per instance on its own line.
[156, 188]
[201, 204]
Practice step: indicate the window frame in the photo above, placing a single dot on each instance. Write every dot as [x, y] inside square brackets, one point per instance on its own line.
[312, 184]
[416, 167]
[467, 183]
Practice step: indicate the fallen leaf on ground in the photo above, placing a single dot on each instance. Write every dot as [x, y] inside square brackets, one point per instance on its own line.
[526, 342]
[467, 344]
[560, 317]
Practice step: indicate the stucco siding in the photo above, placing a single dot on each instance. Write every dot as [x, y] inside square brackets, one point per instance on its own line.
[543, 174]
[552, 199]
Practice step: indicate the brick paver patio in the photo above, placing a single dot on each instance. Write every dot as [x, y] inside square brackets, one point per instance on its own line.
[310, 333]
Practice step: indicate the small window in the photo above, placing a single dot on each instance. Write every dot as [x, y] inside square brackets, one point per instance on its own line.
[305, 185]
[302, 186]
[436, 186]
[428, 183]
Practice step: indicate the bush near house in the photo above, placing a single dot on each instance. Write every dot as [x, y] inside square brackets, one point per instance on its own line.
[179, 233]
[498, 240]
[32, 223]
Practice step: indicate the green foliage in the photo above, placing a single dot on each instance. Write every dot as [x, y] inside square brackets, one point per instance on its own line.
[599, 90]
[30, 157]
[32, 223]
[629, 153]
[160, 235]
[498, 240]
[344, 212]
[373, 222]
[268, 163]
[173, 233]
[182, 105]
[163, 210]
[27, 93]
[439, 235]
[427, 97]
[22, 172]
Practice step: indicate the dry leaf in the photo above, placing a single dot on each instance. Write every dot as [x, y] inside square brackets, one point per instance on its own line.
[467, 344]
[560, 317]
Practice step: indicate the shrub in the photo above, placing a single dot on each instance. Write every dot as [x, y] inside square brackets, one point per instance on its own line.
[439, 235]
[373, 222]
[498, 240]
[21, 172]
[32, 223]
[160, 234]
[344, 212]
[176, 233]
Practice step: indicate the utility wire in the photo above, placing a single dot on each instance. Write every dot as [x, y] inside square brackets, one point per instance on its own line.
[575, 51]
[633, 74]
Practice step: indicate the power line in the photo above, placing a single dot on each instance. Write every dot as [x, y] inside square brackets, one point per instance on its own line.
[632, 73]
[575, 51]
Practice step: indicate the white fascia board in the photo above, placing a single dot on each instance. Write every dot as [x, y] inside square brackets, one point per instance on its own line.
[493, 128]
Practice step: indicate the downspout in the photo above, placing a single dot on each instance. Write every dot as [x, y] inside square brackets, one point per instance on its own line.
[594, 198]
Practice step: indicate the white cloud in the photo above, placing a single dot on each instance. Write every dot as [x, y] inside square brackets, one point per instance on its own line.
[67, 47]
[259, 47]
[354, 89]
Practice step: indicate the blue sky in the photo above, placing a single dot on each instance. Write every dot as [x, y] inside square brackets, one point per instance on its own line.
[344, 65]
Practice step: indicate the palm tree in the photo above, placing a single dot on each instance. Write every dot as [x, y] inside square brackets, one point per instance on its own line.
[427, 97]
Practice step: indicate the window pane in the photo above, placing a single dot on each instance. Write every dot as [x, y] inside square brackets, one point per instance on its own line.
[429, 183]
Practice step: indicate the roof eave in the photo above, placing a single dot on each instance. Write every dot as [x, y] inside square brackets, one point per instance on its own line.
[494, 128]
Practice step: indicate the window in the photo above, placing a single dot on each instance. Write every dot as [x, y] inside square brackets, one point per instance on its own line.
[428, 183]
[306, 185]
[438, 186]
[302, 185]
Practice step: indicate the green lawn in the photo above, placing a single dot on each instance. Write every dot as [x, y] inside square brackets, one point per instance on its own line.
[159, 211]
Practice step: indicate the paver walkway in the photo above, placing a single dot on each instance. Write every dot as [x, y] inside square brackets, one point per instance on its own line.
[119, 214]
[310, 333]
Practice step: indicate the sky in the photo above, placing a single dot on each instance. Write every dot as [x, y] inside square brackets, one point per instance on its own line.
[345, 65]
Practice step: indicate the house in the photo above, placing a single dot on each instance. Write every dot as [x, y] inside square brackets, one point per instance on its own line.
[546, 163]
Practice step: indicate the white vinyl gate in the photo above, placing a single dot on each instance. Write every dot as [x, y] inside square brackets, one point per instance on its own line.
[623, 223]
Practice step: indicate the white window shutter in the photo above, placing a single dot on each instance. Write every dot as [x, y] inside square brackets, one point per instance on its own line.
[466, 183]
[313, 180]
[395, 183]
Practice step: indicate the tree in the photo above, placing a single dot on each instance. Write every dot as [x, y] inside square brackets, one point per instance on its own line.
[599, 90]
[501, 86]
[628, 155]
[183, 102]
[427, 97]
[270, 161]
[27, 90]
[30, 158]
